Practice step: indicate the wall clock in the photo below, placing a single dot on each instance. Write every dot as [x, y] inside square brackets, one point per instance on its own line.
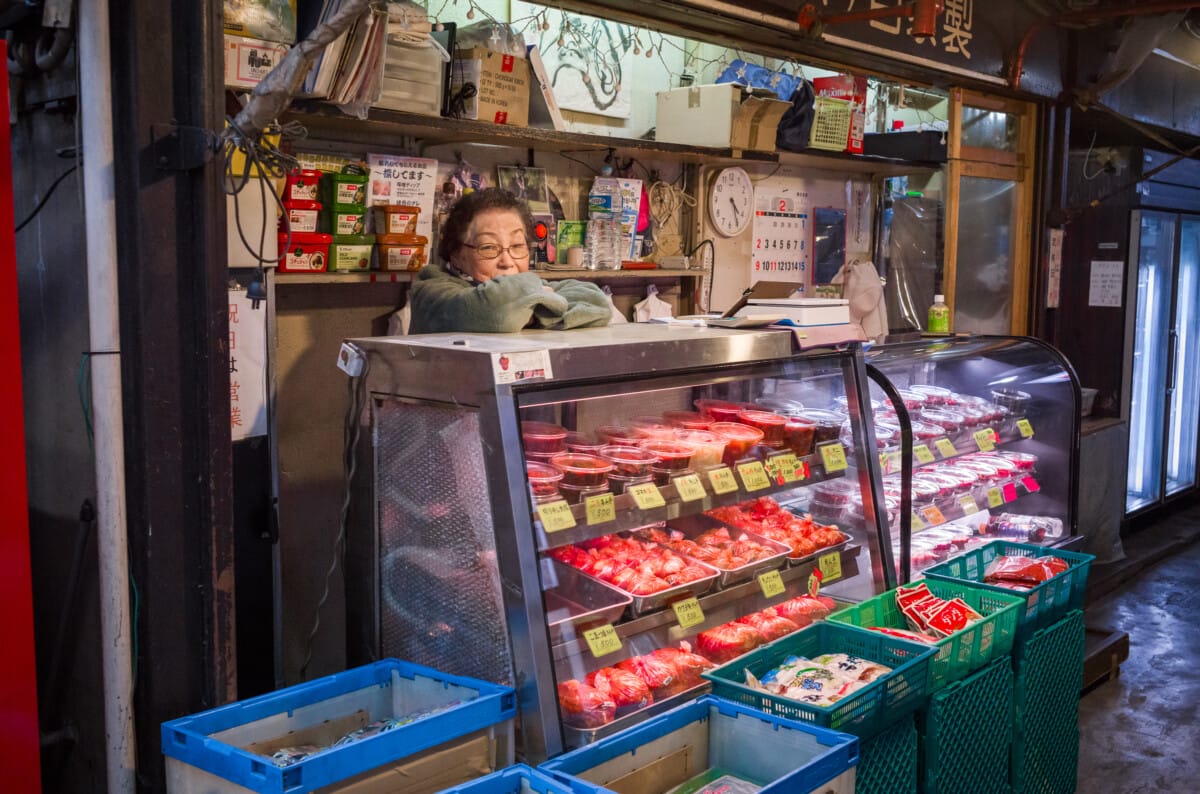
[731, 201]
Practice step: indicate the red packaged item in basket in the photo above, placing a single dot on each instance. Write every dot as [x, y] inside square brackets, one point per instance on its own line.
[728, 641]
[769, 624]
[660, 676]
[804, 607]
[621, 686]
[951, 616]
[585, 706]
[915, 636]
[1024, 570]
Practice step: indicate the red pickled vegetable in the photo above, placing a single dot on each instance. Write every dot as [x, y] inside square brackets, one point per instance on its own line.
[585, 706]
[728, 641]
[621, 686]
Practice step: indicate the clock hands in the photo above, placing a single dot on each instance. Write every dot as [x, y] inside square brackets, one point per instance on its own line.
[736, 214]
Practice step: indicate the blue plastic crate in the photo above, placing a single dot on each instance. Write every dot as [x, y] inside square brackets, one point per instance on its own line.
[520, 779]
[210, 744]
[865, 712]
[781, 755]
[1044, 603]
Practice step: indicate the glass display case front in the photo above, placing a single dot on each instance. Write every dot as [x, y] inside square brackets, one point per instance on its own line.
[994, 427]
[600, 516]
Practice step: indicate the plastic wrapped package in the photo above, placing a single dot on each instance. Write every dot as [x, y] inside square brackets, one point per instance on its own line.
[1025, 529]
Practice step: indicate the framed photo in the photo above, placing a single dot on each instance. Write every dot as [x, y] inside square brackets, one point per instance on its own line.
[526, 183]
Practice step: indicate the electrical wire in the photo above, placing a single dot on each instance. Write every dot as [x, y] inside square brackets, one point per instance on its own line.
[42, 203]
[356, 390]
[712, 267]
[1087, 158]
[586, 165]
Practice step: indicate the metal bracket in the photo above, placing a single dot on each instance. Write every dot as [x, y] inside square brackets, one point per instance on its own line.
[180, 148]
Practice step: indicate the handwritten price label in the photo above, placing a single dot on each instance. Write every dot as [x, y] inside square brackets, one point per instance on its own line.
[790, 467]
[945, 447]
[995, 498]
[754, 477]
[689, 487]
[688, 613]
[933, 515]
[968, 503]
[985, 439]
[831, 567]
[600, 509]
[722, 480]
[771, 583]
[916, 522]
[647, 496]
[556, 516]
[922, 454]
[602, 640]
[834, 457]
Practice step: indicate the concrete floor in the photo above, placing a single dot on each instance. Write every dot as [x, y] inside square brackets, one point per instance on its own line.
[1140, 732]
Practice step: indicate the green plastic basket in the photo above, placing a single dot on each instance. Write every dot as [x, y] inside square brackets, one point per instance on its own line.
[1044, 603]
[965, 651]
[887, 764]
[864, 713]
[966, 734]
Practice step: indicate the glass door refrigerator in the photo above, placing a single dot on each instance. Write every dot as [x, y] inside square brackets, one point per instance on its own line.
[1164, 389]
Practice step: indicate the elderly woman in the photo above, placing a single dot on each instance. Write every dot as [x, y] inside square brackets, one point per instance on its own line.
[485, 285]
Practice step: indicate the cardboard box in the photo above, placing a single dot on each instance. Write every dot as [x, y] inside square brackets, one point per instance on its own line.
[269, 20]
[248, 61]
[723, 115]
[501, 82]
[854, 90]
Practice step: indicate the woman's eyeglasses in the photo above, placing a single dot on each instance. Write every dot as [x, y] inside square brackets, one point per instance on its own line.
[493, 251]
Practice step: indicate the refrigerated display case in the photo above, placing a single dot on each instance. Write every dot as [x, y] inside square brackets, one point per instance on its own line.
[991, 427]
[565, 510]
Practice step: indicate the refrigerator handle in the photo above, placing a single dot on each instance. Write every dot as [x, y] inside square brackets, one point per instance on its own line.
[1172, 337]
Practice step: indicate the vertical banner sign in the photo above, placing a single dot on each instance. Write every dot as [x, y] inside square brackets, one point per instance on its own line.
[781, 233]
[247, 367]
[1054, 268]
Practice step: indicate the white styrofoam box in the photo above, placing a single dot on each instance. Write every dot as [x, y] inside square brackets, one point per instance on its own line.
[249, 207]
[701, 115]
[801, 311]
[413, 77]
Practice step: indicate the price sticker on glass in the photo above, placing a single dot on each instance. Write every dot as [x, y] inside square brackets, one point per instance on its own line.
[771, 583]
[647, 496]
[1025, 428]
[722, 480]
[945, 447]
[985, 439]
[995, 497]
[600, 509]
[831, 567]
[834, 457]
[688, 613]
[968, 503]
[556, 516]
[923, 454]
[789, 466]
[754, 477]
[933, 515]
[602, 640]
[689, 488]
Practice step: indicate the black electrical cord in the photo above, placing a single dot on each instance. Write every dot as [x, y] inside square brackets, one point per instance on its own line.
[38, 208]
[712, 268]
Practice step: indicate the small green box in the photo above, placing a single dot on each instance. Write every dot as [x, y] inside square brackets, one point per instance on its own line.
[570, 233]
[342, 188]
[351, 252]
[344, 220]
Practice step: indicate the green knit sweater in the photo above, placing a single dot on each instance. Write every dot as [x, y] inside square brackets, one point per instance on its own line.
[444, 303]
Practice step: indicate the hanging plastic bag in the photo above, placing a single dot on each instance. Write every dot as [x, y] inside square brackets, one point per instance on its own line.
[760, 78]
[861, 286]
[652, 308]
[618, 316]
[795, 128]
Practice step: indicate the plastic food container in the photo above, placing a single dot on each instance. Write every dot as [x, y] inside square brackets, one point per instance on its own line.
[688, 420]
[966, 477]
[949, 421]
[653, 427]
[581, 442]
[739, 439]
[771, 425]
[924, 431]
[543, 437]
[925, 493]
[913, 400]
[841, 491]
[302, 185]
[543, 481]
[843, 404]
[574, 494]
[1024, 462]
[781, 405]
[934, 395]
[582, 470]
[675, 456]
[972, 416]
[397, 219]
[350, 252]
[946, 486]
[719, 410]
[987, 473]
[991, 411]
[709, 447]
[628, 462]
[402, 251]
[885, 435]
[798, 435]
[1014, 400]
[620, 435]
[1005, 468]
[827, 425]
[348, 219]
[302, 216]
[307, 253]
[346, 189]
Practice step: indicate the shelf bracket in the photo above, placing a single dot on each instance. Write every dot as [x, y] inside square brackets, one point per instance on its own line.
[176, 147]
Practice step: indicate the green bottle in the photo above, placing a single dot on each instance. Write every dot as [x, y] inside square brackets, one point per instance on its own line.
[939, 316]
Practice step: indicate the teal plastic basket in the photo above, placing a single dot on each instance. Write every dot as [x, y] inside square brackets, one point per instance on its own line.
[965, 651]
[864, 713]
[887, 763]
[1044, 603]
[966, 734]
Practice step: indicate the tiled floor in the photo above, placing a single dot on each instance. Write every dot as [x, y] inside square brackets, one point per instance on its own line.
[1140, 732]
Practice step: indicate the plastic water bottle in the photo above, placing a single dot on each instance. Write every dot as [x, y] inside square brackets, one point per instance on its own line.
[604, 226]
[939, 316]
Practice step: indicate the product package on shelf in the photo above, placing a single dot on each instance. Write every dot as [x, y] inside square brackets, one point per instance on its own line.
[270, 20]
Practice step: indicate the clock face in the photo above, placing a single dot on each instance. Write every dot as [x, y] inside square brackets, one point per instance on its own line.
[731, 201]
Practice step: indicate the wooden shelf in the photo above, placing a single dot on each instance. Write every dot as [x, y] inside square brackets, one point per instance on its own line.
[363, 277]
[552, 275]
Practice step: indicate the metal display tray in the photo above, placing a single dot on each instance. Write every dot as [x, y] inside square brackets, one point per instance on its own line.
[697, 524]
[821, 552]
[577, 737]
[574, 599]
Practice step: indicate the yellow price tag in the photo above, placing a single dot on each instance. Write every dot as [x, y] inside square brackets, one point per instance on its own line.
[933, 515]
[690, 488]
[834, 456]
[894, 460]
[923, 454]
[945, 447]
[771, 583]
[646, 495]
[556, 516]
[969, 505]
[985, 439]
[688, 613]
[831, 567]
[782, 468]
[602, 640]
[722, 480]
[916, 522]
[995, 497]
[883, 462]
[600, 509]
[754, 477]
[1025, 428]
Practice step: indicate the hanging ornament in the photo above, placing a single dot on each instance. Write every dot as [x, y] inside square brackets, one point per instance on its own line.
[545, 22]
[649, 52]
[439, 27]
[471, 13]
[617, 88]
[637, 50]
[587, 78]
[562, 42]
